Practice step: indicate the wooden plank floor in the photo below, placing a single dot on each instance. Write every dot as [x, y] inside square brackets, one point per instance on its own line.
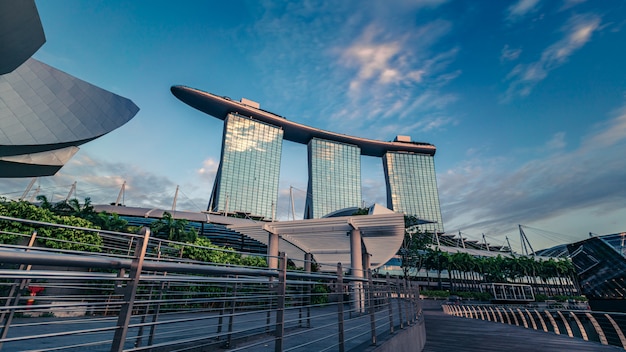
[446, 333]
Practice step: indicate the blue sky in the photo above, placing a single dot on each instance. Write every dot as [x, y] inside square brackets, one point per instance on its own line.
[525, 100]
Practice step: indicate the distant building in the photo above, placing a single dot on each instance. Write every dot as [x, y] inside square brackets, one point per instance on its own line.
[412, 187]
[334, 177]
[333, 160]
[247, 177]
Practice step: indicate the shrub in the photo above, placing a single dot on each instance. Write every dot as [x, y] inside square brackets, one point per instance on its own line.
[435, 293]
[60, 238]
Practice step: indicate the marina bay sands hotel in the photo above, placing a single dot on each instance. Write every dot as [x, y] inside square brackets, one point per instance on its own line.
[248, 173]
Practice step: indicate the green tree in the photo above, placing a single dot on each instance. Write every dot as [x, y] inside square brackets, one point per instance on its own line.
[413, 251]
[52, 237]
[203, 250]
[437, 260]
[173, 229]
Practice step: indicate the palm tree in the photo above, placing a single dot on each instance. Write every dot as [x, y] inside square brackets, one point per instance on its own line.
[437, 260]
[45, 204]
[172, 229]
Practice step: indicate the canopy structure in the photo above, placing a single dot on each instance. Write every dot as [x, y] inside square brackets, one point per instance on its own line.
[329, 239]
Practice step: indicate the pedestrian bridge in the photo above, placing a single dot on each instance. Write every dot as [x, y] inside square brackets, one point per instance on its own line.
[137, 293]
[464, 333]
[133, 292]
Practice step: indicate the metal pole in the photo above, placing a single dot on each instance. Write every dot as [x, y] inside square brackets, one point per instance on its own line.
[308, 259]
[157, 311]
[130, 291]
[220, 320]
[175, 198]
[340, 314]
[119, 195]
[280, 309]
[72, 190]
[399, 293]
[233, 307]
[30, 185]
[22, 283]
[293, 209]
[371, 306]
[389, 304]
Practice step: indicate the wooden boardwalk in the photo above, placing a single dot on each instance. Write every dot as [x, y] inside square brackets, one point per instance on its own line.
[445, 333]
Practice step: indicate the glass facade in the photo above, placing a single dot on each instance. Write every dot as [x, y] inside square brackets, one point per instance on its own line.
[247, 178]
[334, 177]
[412, 187]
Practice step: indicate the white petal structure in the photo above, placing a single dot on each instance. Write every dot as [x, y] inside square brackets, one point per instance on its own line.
[45, 114]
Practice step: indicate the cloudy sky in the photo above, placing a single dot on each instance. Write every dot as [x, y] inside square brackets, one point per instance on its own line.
[525, 100]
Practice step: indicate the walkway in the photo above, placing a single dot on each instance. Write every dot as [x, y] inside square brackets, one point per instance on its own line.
[446, 333]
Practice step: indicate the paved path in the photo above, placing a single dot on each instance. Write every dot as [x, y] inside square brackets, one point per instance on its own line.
[445, 333]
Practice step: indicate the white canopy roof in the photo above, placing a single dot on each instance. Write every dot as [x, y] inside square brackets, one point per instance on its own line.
[328, 239]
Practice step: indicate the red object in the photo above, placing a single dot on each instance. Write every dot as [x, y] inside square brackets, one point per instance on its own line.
[34, 290]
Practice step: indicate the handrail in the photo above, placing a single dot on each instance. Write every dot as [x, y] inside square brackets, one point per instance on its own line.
[58, 299]
[585, 324]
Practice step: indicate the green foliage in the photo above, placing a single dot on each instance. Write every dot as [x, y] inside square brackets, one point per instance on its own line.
[173, 229]
[540, 297]
[203, 250]
[254, 261]
[21, 210]
[362, 211]
[413, 251]
[435, 293]
[478, 296]
[73, 239]
[113, 222]
[319, 294]
[60, 238]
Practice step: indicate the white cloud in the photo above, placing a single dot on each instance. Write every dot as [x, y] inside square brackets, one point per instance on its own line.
[610, 133]
[492, 196]
[521, 8]
[209, 168]
[102, 181]
[567, 4]
[378, 61]
[509, 54]
[577, 32]
[557, 142]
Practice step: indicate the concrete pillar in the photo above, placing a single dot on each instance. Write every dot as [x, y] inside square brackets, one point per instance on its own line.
[356, 258]
[308, 259]
[356, 263]
[366, 260]
[272, 251]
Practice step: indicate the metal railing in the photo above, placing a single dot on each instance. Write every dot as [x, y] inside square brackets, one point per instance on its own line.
[137, 293]
[603, 327]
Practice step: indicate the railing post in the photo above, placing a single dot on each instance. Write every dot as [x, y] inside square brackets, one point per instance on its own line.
[18, 283]
[220, 320]
[340, 314]
[130, 291]
[406, 302]
[156, 312]
[308, 260]
[412, 302]
[372, 311]
[389, 304]
[399, 298]
[231, 316]
[280, 309]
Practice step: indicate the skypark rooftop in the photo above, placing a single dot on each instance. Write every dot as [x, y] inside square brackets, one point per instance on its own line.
[220, 107]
